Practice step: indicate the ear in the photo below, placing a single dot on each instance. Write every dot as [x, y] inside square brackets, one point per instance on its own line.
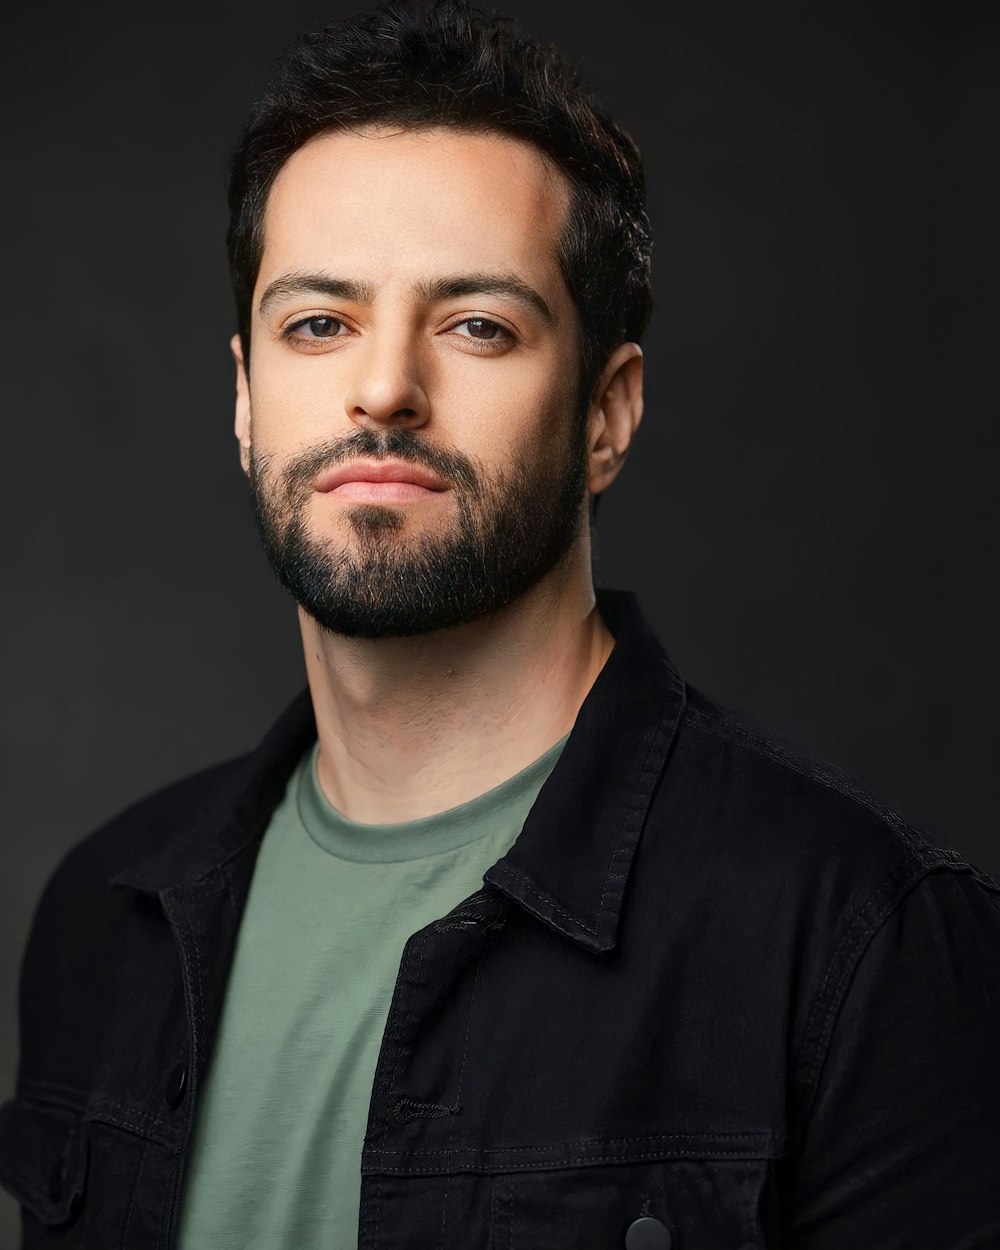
[242, 426]
[614, 416]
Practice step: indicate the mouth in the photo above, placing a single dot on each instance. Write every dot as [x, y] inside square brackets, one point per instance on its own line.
[380, 481]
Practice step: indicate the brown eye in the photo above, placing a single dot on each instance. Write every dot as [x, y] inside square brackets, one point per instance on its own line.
[480, 328]
[491, 338]
[322, 327]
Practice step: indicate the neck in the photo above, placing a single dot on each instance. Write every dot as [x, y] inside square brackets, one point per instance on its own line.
[413, 726]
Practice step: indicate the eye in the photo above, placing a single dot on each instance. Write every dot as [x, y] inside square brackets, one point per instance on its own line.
[482, 328]
[483, 333]
[319, 326]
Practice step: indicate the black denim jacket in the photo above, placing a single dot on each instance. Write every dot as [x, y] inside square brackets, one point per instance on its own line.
[714, 996]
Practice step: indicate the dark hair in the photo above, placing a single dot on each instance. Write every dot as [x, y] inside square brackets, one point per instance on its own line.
[445, 64]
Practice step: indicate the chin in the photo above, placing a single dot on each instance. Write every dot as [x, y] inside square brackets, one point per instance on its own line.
[371, 519]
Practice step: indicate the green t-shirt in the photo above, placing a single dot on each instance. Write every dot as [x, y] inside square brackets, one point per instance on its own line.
[280, 1121]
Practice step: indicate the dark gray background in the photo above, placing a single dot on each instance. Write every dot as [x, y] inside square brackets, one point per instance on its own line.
[809, 516]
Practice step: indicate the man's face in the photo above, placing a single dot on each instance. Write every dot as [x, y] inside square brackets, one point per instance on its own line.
[410, 427]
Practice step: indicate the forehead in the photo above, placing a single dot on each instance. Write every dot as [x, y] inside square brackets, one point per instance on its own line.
[382, 203]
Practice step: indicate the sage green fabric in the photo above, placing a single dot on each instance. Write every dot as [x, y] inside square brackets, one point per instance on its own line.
[281, 1118]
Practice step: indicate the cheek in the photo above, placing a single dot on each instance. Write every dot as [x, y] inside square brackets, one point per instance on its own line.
[292, 408]
[509, 414]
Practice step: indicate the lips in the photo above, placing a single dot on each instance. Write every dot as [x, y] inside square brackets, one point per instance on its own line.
[380, 471]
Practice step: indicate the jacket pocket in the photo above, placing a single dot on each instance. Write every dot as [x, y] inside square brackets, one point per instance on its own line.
[670, 1204]
[43, 1159]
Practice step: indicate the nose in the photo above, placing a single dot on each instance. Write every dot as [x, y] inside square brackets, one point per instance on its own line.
[387, 389]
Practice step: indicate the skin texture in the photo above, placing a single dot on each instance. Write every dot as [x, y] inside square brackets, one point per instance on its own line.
[409, 726]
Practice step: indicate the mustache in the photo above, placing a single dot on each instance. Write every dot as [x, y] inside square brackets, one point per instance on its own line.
[448, 463]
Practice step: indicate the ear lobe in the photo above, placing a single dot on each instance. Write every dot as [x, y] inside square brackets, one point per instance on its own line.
[615, 415]
[241, 426]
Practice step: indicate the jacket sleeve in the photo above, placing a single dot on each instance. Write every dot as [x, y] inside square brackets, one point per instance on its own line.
[901, 1150]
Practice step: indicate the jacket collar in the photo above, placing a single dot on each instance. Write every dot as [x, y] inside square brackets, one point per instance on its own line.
[570, 864]
[232, 809]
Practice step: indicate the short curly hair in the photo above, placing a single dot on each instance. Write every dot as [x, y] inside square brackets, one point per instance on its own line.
[418, 66]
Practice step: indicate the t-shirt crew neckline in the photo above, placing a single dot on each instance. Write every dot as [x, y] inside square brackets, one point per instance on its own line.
[415, 839]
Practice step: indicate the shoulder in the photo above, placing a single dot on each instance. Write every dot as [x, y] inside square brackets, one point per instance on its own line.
[84, 931]
[78, 909]
[810, 878]
[775, 801]
[143, 826]
[797, 856]
[185, 822]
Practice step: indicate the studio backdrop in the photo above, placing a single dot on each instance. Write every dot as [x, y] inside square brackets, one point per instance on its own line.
[809, 515]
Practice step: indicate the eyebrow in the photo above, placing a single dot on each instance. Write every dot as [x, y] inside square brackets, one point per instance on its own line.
[302, 283]
[506, 285]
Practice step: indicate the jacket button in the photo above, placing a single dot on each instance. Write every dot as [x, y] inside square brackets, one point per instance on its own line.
[647, 1233]
[176, 1085]
[57, 1179]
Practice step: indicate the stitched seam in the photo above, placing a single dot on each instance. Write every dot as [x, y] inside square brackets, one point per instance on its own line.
[633, 821]
[444, 1210]
[102, 1110]
[404, 985]
[131, 1127]
[131, 1113]
[172, 1183]
[458, 1092]
[865, 921]
[468, 1032]
[192, 969]
[378, 1211]
[647, 785]
[648, 1138]
[366, 1229]
[585, 1160]
[728, 729]
[523, 880]
[814, 1067]
[852, 938]
[405, 1017]
[632, 826]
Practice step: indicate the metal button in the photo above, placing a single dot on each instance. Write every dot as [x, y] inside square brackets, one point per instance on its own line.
[647, 1233]
[176, 1085]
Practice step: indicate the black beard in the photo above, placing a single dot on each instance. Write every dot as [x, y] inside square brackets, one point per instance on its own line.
[509, 532]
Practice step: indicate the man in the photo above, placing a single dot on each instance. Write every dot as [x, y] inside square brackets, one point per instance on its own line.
[504, 936]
